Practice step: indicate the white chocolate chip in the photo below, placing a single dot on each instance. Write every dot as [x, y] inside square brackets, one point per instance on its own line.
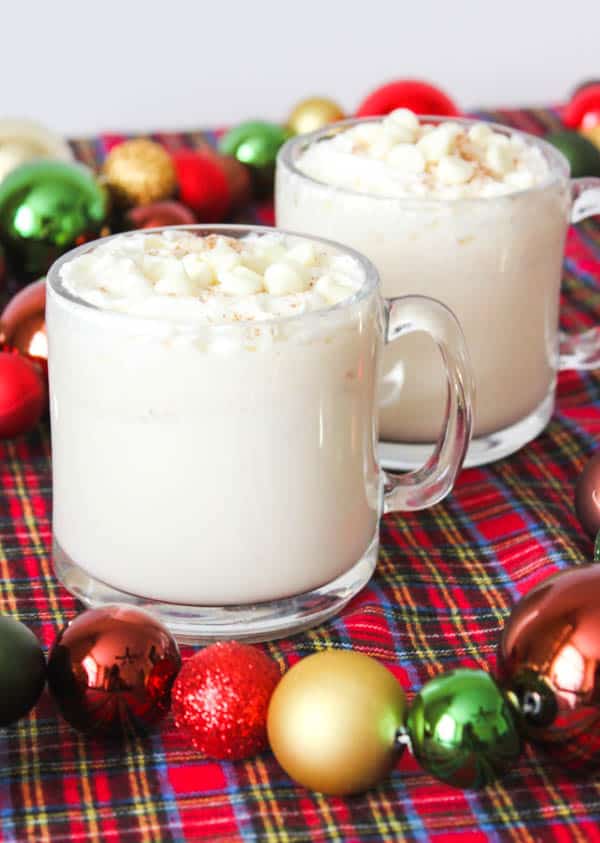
[407, 157]
[454, 170]
[239, 281]
[281, 279]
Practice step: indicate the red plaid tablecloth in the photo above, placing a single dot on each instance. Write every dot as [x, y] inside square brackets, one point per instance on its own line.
[444, 585]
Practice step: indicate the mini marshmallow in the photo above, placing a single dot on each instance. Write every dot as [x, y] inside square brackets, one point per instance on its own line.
[303, 253]
[281, 279]
[239, 281]
[439, 142]
[499, 156]
[198, 270]
[332, 289]
[454, 170]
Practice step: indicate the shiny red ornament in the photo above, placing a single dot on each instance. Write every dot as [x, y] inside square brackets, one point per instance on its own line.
[158, 214]
[221, 698]
[587, 496]
[203, 184]
[420, 97]
[22, 395]
[111, 670]
[239, 180]
[583, 102]
[549, 660]
[23, 323]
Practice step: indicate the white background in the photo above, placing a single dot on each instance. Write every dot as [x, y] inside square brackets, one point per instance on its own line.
[82, 67]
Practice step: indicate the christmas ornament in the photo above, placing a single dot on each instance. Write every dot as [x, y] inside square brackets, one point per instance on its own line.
[22, 670]
[221, 696]
[333, 721]
[312, 114]
[587, 496]
[420, 97]
[582, 155]
[583, 102]
[23, 322]
[256, 144]
[585, 84]
[46, 207]
[111, 670]
[2, 265]
[24, 140]
[203, 184]
[593, 134]
[157, 214]
[239, 181]
[22, 395]
[138, 172]
[462, 730]
[549, 658]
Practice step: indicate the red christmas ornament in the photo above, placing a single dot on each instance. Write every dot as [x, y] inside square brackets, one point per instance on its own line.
[23, 324]
[157, 214]
[22, 395]
[587, 496]
[420, 97]
[221, 698]
[584, 102]
[111, 670]
[203, 184]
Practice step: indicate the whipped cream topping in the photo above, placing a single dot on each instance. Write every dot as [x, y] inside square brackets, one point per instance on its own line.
[183, 277]
[401, 156]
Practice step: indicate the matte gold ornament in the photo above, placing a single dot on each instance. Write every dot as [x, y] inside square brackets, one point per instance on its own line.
[312, 114]
[138, 172]
[333, 720]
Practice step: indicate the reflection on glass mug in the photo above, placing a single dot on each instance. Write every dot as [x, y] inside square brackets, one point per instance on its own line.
[474, 215]
[213, 396]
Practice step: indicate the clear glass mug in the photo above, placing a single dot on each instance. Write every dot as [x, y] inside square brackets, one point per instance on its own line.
[496, 262]
[226, 476]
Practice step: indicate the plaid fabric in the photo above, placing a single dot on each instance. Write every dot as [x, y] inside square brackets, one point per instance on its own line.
[444, 585]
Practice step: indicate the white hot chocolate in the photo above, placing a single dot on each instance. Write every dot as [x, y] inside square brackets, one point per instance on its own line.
[457, 211]
[210, 406]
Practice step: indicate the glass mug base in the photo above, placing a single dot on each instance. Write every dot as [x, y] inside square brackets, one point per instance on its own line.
[205, 624]
[399, 456]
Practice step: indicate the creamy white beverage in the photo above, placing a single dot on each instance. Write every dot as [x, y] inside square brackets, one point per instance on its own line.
[471, 215]
[212, 408]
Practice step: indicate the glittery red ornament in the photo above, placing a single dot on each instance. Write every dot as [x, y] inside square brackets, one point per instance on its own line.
[582, 103]
[22, 395]
[420, 97]
[221, 698]
[203, 184]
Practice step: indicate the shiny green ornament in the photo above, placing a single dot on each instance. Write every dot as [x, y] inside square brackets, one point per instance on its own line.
[46, 207]
[462, 730]
[256, 144]
[583, 156]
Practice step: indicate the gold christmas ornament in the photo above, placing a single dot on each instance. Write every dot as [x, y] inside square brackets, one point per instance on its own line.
[138, 172]
[312, 114]
[593, 134]
[332, 722]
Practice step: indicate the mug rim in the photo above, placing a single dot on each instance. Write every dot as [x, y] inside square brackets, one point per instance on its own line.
[559, 165]
[370, 285]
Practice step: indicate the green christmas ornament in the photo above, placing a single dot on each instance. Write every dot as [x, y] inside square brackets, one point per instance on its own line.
[22, 670]
[256, 144]
[583, 156]
[462, 730]
[46, 207]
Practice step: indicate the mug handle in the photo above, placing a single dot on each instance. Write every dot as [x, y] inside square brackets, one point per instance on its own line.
[431, 483]
[582, 351]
